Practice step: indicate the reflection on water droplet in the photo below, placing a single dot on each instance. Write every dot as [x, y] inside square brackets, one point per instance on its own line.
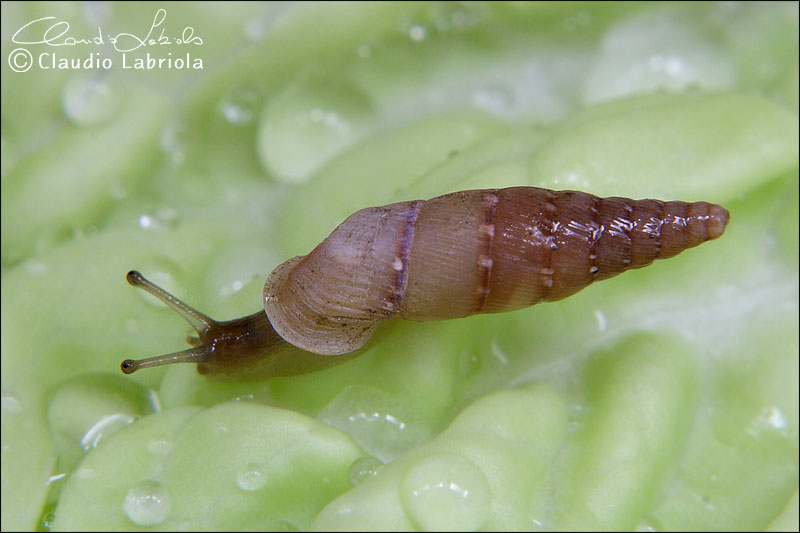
[173, 142]
[456, 16]
[87, 100]
[468, 363]
[364, 51]
[145, 222]
[147, 504]
[35, 268]
[95, 13]
[117, 191]
[707, 502]
[159, 447]
[239, 107]
[602, 323]
[494, 99]
[652, 524]
[417, 32]
[251, 479]
[104, 427]
[363, 469]
[245, 398]
[55, 478]
[459, 18]
[258, 27]
[10, 404]
[84, 474]
[499, 354]
[47, 521]
[446, 492]
[581, 19]
[164, 217]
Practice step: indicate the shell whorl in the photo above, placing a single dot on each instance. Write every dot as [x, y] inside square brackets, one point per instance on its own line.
[480, 251]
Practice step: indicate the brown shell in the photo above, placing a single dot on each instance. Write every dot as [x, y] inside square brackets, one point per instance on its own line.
[481, 251]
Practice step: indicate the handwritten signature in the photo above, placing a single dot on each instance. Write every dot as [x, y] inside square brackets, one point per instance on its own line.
[56, 35]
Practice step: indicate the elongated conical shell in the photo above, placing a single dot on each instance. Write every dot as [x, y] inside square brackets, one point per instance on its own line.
[482, 251]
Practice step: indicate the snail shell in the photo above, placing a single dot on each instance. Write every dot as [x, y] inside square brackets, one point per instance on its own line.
[481, 251]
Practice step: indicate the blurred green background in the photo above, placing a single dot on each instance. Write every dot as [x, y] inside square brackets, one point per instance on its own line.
[666, 398]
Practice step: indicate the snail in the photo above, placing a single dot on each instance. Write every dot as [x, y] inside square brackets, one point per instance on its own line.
[468, 252]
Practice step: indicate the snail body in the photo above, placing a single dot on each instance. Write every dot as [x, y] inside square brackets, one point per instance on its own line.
[468, 252]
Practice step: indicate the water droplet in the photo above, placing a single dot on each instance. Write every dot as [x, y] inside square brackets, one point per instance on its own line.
[173, 142]
[382, 425]
[84, 474]
[649, 524]
[145, 222]
[364, 468]
[251, 479]
[159, 447]
[35, 268]
[117, 191]
[47, 521]
[256, 28]
[774, 418]
[364, 51]
[456, 16]
[708, 503]
[147, 504]
[459, 18]
[579, 20]
[274, 15]
[308, 123]
[164, 217]
[656, 52]
[10, 404]
[87, 100]
[240, 107]
[245, 398]
[496, 100]
[468, 363]
[769, 419]
[417, 32]
[446, 492]
[236, 266]
[95, 13]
